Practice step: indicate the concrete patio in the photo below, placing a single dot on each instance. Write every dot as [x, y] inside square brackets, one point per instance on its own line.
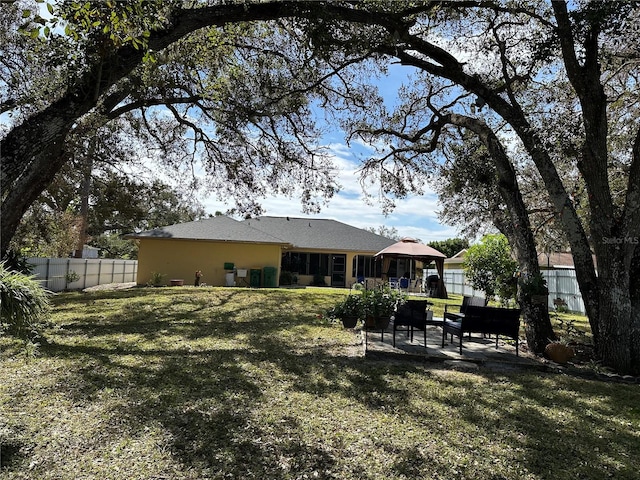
[476, 352]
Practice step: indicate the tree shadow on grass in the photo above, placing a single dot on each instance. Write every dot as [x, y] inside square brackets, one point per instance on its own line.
[210, 401]
[557, 427]
[184, 313]
[204, 400]
[563, 429]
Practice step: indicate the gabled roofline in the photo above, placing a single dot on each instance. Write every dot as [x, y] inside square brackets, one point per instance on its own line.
[281, 243]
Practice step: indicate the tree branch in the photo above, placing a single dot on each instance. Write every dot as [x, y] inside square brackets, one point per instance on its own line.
[151, 102]
[567, 44]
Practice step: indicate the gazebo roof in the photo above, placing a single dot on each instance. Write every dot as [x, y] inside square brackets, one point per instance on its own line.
[410, 247]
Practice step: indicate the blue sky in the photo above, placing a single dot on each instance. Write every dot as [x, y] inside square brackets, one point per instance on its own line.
[414, 216]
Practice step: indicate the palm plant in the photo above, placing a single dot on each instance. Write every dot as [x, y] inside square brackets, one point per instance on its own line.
[23, 304]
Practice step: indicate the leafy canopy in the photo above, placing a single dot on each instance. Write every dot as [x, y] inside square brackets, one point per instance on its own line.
[450, 246]
[489, 267]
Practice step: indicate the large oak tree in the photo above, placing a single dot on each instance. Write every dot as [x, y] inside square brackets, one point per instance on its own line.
[532, 60]
[564, 82]
[258, 139]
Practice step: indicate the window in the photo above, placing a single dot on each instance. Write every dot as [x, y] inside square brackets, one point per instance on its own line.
[366, 266]
[294, 262]
[305, 263]
[318, 263]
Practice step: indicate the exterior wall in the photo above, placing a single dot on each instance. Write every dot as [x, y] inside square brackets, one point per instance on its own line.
[180, 259]
[453, 264]
[307, 280]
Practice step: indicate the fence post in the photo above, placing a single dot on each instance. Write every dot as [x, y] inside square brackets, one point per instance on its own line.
[46, 274]
[84, 283]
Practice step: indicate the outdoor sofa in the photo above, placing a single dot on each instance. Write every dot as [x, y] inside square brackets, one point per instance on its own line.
[485, 320]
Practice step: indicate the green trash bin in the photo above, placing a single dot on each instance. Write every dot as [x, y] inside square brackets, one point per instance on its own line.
[254, 277]
[270, 276]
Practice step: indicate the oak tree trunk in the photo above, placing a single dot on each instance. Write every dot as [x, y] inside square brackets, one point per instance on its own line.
[517, 229]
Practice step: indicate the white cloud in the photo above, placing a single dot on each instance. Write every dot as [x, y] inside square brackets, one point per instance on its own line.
[414, 216]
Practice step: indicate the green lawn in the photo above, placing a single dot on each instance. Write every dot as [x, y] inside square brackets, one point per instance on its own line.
[186, 383]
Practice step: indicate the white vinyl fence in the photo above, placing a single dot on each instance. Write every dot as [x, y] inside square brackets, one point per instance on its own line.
[562, 284]
[55, 273]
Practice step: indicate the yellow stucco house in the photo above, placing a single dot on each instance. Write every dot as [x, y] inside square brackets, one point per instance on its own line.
[255, 251]
[455, 262]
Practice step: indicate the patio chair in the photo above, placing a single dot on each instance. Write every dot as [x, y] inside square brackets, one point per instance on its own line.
[414, 315]
[466, 302]
[432, 285]
[484, 320]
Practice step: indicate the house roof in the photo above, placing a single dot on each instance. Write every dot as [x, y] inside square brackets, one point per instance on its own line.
[458, 258]
[559, 260]
[554, 260]
[320, 234]
[220, 228]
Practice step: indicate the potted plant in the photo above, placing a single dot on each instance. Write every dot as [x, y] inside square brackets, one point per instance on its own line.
[559, 352]
[379, 305]
[349, 310]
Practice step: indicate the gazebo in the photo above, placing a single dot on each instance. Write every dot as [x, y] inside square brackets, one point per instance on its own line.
[411, 248]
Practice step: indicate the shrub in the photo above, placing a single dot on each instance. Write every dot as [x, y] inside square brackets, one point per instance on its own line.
[156, 280]
[71, 277]
[490, 267]
[318, 280]
[286, 278]
[533, 285]
[17, 262]
[23, 304]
